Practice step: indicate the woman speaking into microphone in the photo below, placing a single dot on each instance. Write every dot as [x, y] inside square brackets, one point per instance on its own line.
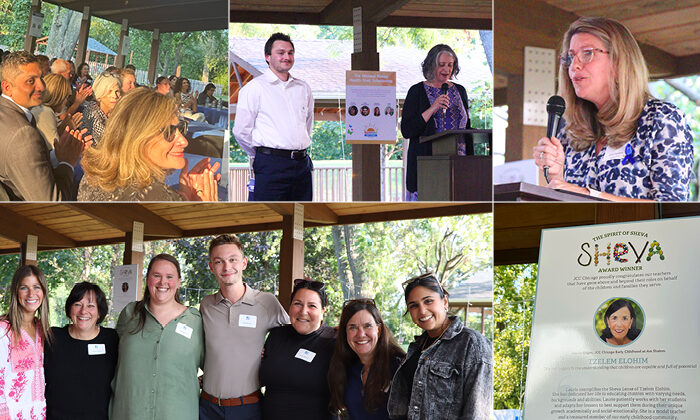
[615, 141]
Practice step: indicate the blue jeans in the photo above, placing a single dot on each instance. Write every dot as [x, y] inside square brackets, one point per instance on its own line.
[209, 411]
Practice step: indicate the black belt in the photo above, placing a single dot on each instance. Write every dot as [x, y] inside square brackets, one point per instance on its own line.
[291, 154]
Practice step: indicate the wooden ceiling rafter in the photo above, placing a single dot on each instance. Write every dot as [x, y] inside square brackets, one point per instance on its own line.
[60, 226]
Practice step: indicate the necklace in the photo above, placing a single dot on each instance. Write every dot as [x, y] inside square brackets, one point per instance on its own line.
[424, 348]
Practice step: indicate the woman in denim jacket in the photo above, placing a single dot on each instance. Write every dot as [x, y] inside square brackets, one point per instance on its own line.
[447, 373]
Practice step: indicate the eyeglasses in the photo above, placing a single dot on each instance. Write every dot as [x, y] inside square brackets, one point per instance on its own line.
[362, 301]
[170, 130]
[584, 56]
[312, 284]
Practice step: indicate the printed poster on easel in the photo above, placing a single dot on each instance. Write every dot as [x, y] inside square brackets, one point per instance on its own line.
[370, 107]
[615, 330]
[124, 285]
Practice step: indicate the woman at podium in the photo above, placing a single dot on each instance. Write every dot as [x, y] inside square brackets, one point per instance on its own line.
[432, 106]
[616, 142]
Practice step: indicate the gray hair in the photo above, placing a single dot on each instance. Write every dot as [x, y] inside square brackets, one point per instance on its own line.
[430, 64]
[103, 83]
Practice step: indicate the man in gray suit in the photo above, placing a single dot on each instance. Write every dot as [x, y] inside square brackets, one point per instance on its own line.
[26, 173]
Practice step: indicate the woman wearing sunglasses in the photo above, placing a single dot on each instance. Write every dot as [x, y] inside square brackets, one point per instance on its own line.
[447, 371]
[617, 142]
[296, 358]
[365, 359]
[143, 141]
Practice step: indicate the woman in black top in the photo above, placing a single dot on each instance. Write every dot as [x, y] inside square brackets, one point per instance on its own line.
[296, 358]
[420, 115]
[79, 364]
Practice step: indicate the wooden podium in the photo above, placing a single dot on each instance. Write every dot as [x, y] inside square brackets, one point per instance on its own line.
[521, 191]
[445, 176]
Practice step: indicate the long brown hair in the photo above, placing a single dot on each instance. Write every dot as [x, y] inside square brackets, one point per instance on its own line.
[629, 90]
[14, 314]
[379, 376]
[140, 308]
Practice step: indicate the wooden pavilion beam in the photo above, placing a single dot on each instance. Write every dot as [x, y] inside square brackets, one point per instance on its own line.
[121, 216]
[688, 66]
[422, 213]
[319, 213]
[437, 22]
[16, 228]
[245, 16]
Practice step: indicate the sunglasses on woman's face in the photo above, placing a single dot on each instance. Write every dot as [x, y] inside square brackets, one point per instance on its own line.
[170, 130]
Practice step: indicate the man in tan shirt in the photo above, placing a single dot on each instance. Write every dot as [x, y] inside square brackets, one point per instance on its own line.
[236, 320]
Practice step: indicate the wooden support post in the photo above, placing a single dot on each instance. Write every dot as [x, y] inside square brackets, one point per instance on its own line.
[366, 160]
[30, 41]
[153, 62]
[81, 54]
[28, 251]
[291, 253]
[123, 37]
[134, 253]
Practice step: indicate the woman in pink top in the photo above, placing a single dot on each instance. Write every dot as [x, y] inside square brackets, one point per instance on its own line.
[23, 330]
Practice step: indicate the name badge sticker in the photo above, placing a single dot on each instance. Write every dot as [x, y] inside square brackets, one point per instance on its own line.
[184, 330]
[305, 355]
[96, 349]
[611, 153]
[247, 321]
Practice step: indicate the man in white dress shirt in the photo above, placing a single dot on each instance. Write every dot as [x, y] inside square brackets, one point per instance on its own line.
[274, 118]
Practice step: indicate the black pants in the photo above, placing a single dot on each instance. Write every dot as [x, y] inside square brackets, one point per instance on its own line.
[282, 179]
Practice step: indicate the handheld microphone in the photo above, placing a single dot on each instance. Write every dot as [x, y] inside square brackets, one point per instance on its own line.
[443, 91]
[555, 109]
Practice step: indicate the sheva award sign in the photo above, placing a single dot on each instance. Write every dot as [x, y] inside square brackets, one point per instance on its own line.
[616, 326]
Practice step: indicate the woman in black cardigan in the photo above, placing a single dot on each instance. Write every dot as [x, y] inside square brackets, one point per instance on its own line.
[420, 110]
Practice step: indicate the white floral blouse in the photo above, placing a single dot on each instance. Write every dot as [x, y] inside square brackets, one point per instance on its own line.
[656, 164]
[21, 377]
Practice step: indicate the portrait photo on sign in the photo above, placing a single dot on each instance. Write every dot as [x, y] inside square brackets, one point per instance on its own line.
[619, 321]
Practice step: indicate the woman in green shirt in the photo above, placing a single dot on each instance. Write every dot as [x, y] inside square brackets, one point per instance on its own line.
[161, 347]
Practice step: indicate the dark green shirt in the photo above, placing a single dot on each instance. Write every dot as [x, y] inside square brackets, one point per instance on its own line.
[156, 375]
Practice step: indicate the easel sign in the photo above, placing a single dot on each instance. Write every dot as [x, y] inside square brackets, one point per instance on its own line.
[370, 107]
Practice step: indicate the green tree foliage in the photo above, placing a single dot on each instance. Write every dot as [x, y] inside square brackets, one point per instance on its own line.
[197, 53]
[14, 19]
[514, 291]
[691, 110]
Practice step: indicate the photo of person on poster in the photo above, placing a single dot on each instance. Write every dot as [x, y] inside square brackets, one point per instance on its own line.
[620, 320]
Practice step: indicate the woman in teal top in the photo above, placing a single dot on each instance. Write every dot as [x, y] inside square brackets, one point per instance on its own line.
[161, 347]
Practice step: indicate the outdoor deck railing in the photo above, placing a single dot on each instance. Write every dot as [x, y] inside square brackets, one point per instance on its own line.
[332, 183]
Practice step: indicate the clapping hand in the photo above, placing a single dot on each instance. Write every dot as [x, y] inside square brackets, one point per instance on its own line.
[201, 182]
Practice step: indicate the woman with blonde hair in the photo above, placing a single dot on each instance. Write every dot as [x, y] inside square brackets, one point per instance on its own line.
[24, 330]
[49, 116]
[616, 142]
[143, 140]
[107, 90]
